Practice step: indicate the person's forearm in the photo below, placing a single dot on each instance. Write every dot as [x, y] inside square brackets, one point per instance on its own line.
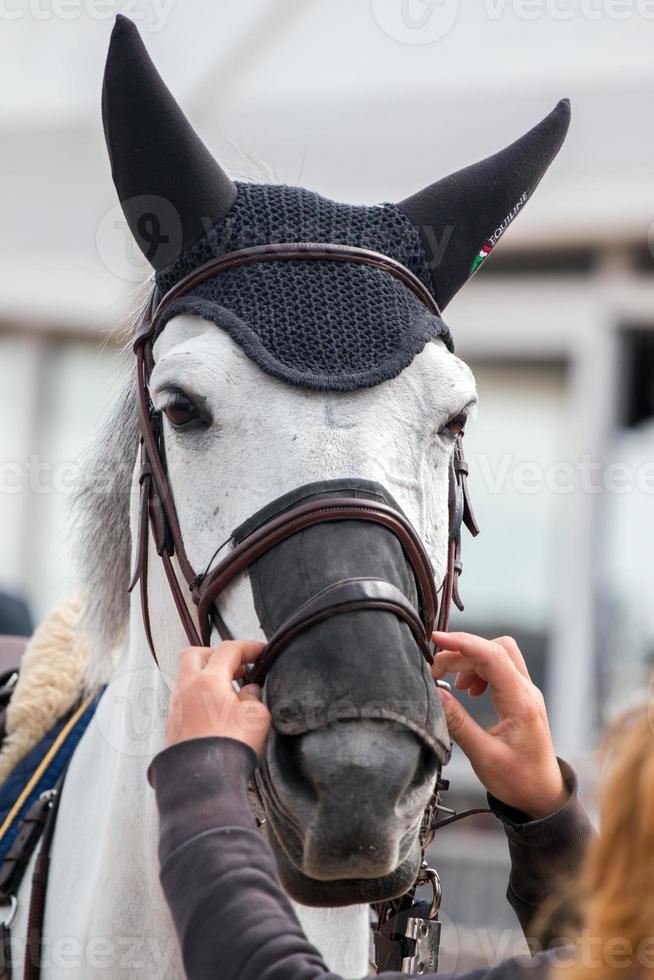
[545, 854]
[232, 917]
[218, 874]
[255, 935]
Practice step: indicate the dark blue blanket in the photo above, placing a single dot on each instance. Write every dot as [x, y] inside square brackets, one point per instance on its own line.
[41, 768]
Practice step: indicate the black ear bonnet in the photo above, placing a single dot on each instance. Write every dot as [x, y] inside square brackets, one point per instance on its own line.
[316, 324]
[321, 325]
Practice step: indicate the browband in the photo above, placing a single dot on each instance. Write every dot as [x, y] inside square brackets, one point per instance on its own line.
[285, 252]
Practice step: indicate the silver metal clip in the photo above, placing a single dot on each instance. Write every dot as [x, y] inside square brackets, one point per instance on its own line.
[431, 875]
[11, 914]
[426, 934]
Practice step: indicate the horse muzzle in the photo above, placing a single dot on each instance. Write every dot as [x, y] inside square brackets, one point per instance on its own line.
[344, 806]
[359, 734]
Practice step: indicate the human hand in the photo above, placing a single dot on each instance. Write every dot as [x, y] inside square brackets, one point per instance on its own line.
[204, 701]
[514, 759]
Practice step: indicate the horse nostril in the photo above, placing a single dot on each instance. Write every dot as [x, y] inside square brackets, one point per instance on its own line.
[425, 769]
[360, 764]
[363, 780]
[347, 800]
[291, 764]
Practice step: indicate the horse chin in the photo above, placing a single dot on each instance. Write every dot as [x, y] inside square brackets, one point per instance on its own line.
[344, 891]
[344, 819]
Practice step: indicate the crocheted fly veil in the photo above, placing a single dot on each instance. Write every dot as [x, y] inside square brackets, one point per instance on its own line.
[319, 324]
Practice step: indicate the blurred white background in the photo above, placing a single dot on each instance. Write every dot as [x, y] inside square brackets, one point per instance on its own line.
[368, 101]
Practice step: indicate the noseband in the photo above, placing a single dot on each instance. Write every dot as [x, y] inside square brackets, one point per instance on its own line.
[157, 508]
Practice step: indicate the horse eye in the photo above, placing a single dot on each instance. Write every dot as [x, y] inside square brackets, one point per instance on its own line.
[456, 425]
[181, 412]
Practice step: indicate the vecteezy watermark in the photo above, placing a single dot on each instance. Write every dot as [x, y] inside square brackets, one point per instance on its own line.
[63, 477]
[132, 713]
[157, 954]
[415, 21]
[157, 236]
[562, 10]
[39, 476]
[505, 473]
[150, 955]
[150, 15]
[426, 21]
[563, 477]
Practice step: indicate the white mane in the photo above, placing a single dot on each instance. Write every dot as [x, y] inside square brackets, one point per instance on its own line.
[102, 533]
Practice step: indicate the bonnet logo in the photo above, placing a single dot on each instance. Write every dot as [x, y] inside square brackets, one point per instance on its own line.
[497, 234]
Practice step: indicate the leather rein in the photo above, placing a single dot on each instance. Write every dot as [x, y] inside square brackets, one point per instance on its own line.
[157, 509]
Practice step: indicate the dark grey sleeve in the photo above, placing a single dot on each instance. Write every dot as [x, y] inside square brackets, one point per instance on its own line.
[545, 855]
[232, 918]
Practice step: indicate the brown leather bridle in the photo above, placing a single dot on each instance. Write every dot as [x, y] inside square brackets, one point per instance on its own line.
[157, 508]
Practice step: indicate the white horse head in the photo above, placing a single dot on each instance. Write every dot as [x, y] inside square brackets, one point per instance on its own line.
[246, 418]
[235, 439]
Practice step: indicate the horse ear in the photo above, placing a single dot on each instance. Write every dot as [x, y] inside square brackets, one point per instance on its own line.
[461, 217]
[170, 187]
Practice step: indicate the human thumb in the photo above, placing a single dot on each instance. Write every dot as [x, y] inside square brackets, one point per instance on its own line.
[462, 727]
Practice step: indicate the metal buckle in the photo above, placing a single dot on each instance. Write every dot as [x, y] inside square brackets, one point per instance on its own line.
[7, 688]
[408, 939]
[11, 915]
[426, 934]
